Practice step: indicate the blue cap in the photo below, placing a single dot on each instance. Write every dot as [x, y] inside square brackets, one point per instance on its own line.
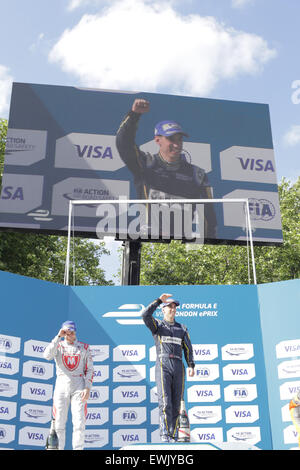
[68, 325]
[168, 128]
[170, 301]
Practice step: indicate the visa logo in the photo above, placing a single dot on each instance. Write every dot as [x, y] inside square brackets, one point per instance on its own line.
[39, 349]
[256, 164]
[130, 437]
[206, 436]
[35, 436]
[130, 394]
[242, 414]
[4, 410]
[89, 151]
[93, 416]
[37, 391]
[204, 393]
[130, 352]
[239, 371]
[8, 192]
[5, 365]
[202, 352]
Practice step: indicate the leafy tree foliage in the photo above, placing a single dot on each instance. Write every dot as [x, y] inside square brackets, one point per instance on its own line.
[177, 264]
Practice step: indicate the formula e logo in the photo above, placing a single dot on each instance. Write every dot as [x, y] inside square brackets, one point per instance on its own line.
[127, 314]
[261, 209]
[71, 362]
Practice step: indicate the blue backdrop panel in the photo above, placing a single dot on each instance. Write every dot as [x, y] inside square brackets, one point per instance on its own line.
[227, 399]
[279, 310]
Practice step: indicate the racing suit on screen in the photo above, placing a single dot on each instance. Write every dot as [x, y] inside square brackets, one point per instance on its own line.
[74, 370]
[294, 408]
[170, 339]
[155, 178]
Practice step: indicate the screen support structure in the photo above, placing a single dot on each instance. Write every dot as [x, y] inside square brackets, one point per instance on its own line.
[132, 249]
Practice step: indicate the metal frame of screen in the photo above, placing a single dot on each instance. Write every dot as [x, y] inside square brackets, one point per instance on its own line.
[165, 201]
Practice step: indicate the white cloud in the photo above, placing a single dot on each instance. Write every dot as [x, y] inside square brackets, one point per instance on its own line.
[292, 137]
[5, 89]
[146, 46]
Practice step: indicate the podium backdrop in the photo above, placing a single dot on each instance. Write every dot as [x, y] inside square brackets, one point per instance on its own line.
[246, 343]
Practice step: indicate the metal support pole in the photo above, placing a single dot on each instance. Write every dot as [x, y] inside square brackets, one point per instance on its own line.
[251, 241]
[67, 267]
[131, 263]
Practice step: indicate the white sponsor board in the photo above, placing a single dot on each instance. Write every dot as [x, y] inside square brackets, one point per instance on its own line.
[289, 348]
[129, 353]
[248, 164]
[129, 416]
[35, 348]
[37, 391]
[9, 344]
[36, 413]
[129, 373]
[238, 393]
[237, 352]
[238, 372]
[96, 438]
[25, 146]
[21, 193]
[129, 394]
[38, 370]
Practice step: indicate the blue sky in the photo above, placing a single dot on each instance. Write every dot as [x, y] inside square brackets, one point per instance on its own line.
[245, 50]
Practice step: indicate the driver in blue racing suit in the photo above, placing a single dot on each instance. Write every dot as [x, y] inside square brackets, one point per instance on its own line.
[167, 174]
[170, 339]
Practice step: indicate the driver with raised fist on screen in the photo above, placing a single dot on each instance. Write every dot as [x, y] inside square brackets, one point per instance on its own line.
[166, 174]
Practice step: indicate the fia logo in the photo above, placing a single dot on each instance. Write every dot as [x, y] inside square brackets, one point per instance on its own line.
[261, 209]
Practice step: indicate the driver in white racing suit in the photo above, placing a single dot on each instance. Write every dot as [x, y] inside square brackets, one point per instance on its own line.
[74, 370]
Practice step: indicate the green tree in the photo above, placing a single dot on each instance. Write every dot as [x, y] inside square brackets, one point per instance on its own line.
[44, 256]
[177, 264]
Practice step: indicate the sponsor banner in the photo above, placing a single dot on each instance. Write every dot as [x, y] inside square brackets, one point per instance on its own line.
[8, 410]
[17, 196]
[244, 392]
[99, 394]
[129, 394]
[242, 414]
[130, 353]
[7, 433]
[129, 436]
[33, 436]
[207, 435]
[129, 416]
[25, 146]
[9, 365]
[263, 206]
[96, 438]
[242, 372]
[88, 190]
[290, 435]
[8, 387]
[247, 435]
[99, 352]
[129, 373]
[248, 164]
[289, 389]
[35, 348]
[237, 352]
[289, 369]
[204, 373]
[9, 344]
[36, 413]
[37, 391]
[88, 152]
[101, 373]
[225, 394]
[38, 370]
[205, 352]
[205, 414]
[289, 348]
[96, 416]
[203, 393]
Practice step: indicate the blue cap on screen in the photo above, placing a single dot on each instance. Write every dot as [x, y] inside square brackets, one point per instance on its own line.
[68, 325]
[170, 301]
[168, 128]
